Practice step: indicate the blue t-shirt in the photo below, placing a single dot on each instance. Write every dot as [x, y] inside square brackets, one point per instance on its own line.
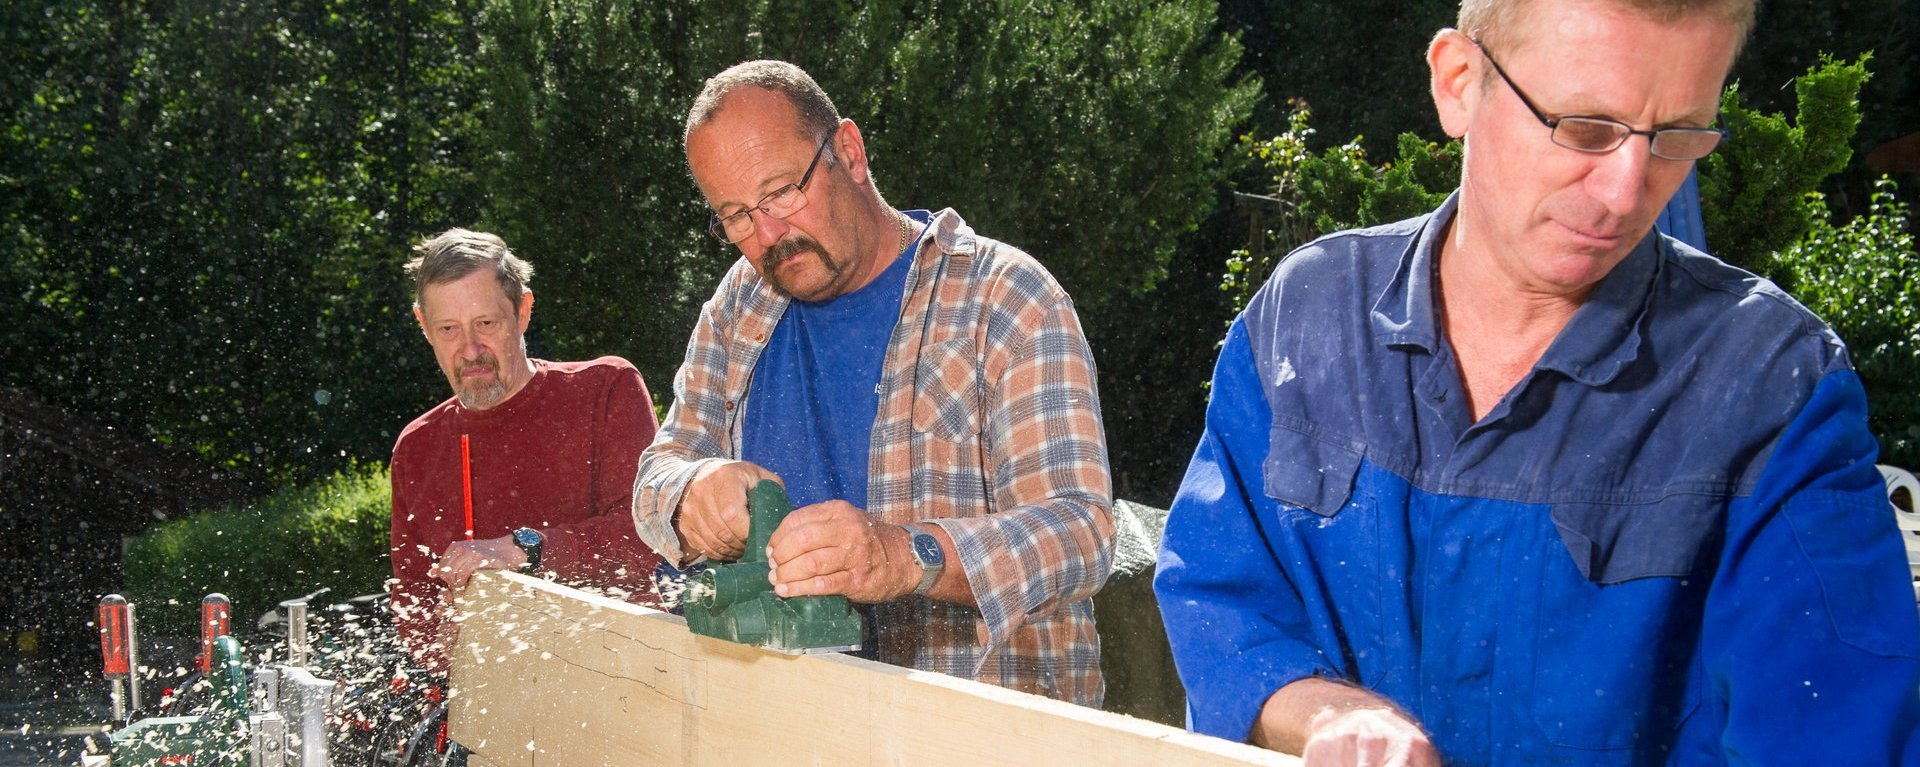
[814, 395]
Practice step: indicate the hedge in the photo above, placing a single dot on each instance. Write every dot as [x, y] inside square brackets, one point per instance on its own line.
[332, 533]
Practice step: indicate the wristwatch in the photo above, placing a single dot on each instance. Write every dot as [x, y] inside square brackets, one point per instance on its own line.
[926, 551]
[529, 540]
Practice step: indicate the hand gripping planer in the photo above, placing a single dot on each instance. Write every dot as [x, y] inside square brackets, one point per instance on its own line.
[735, 601]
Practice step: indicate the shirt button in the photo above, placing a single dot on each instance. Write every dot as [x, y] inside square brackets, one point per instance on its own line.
[759, 338]
[729, 405]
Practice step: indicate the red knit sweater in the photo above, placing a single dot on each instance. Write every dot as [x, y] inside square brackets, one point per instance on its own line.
[559, 456]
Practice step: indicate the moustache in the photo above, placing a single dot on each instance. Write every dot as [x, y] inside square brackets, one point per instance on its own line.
[487, 361]
[790, 247]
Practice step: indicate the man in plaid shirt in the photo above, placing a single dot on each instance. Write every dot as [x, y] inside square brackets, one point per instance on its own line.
[924, 393]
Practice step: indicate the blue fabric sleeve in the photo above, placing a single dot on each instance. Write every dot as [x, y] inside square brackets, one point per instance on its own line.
[1237, 624]
[1811, 637]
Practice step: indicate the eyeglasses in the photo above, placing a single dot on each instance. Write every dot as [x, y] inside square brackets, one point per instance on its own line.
[1600, 135]
[779, 203]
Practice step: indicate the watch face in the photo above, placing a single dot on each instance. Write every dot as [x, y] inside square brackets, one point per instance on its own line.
[527, 536]
[926, 548]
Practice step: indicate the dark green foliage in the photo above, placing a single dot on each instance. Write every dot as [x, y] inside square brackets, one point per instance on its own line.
[1335, 190]
[331, 533]
[1792, 36]
[204, 203]
[1088, 133]
[1359, 64]
[583, 103]
[1751, 190]
[1864, 279]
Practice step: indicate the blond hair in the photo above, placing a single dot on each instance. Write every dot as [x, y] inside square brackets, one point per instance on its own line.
[1487, 20]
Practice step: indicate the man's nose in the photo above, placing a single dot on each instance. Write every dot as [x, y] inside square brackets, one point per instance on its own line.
[470, 347]
[769, 230]
[1619, 178]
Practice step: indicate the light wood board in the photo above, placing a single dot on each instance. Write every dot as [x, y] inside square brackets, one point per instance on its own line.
[547, 675]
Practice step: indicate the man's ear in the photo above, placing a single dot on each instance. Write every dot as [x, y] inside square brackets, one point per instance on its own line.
[526, 310]
[422, 319]
[850, 147]
[1454, 80]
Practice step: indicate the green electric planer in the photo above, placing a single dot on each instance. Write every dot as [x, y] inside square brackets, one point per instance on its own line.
[735, 601]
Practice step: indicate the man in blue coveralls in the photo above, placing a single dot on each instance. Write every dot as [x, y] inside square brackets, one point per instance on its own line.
[1523, 481]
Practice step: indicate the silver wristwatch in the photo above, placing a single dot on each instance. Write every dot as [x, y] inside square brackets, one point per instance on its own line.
[926, 551]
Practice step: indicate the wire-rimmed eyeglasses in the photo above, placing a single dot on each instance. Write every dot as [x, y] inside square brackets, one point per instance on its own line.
[779, 203]
[1600, 135]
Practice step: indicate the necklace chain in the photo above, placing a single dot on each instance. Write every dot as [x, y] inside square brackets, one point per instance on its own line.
[906, 230]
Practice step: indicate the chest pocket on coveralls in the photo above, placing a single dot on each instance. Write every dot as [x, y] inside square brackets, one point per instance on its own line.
[947, 397]
[1306, 472]
[1615, 662]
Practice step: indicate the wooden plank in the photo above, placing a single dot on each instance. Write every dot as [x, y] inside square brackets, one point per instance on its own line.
[548, 675]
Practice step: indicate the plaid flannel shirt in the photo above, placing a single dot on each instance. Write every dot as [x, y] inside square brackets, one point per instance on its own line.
[988, 426]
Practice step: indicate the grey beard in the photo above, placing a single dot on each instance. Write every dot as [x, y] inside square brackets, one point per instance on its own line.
[484, 397]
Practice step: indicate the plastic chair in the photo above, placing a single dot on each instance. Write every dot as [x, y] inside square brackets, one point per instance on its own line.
[1903, 494]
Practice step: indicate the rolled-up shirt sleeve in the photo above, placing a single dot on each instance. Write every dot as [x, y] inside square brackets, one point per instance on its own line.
[695, 431]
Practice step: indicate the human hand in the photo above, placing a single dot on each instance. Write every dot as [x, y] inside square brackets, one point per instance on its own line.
[464, 558]
[1334, 724]
[835, 548]
[1367, 737]
[712, 519]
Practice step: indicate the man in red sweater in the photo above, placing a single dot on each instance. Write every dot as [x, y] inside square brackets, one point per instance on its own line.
[528, 467]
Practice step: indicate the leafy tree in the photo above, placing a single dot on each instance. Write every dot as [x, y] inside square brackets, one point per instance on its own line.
[1359, 66]
[206, 201]
[1335, 190]
[1751, 191]
[583, 105]
[1860, 278]
[1089, 133]
[1077, 130]
[1793, 36]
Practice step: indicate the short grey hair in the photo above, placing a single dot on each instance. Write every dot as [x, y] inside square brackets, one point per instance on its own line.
[818, 116]
[456, 253]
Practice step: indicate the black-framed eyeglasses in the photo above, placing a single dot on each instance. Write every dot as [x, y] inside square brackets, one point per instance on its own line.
[1600, 135]
[779, 203]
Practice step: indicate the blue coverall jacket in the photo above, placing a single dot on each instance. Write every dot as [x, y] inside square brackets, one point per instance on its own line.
[1667, 544]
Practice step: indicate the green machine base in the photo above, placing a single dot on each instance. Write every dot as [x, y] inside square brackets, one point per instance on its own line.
[736, 603]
